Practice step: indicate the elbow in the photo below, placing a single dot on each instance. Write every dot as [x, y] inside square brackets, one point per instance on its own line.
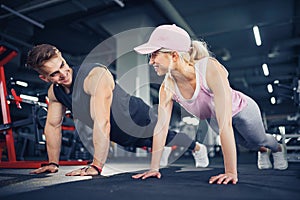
[53, 125]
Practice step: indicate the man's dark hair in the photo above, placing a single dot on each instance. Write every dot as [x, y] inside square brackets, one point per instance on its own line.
[39, 55]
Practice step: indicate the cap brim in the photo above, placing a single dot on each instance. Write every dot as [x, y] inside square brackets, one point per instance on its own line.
[146, 48]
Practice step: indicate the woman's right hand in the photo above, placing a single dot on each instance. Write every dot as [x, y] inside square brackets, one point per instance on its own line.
[224, 179]
[150, 173]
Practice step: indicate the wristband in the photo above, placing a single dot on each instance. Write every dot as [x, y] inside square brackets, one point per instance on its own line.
[98, 169]
[51, 163]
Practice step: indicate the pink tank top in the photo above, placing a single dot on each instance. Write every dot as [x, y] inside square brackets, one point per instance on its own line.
[201, 104]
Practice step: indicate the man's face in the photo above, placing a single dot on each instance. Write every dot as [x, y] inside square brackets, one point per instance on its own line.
[57, 71]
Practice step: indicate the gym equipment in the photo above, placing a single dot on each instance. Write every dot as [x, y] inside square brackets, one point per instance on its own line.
[6, 130]
[9, 140]
[289, 128]
[37, 120]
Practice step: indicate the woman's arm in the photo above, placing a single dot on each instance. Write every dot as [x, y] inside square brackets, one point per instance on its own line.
[159, 136]
[161, 128]
[217, 81]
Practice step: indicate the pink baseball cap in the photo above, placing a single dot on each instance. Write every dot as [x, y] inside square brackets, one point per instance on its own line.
[168, 37]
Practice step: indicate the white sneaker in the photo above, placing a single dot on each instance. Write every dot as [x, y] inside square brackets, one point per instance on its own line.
[280, 159]
[165, 156]
[201, 158]
[263, 161]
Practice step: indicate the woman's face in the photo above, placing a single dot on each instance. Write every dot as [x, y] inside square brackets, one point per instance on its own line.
[160, 61]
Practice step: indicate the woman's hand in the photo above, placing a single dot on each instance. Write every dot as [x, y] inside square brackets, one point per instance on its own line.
[224, 179]
[150, 173]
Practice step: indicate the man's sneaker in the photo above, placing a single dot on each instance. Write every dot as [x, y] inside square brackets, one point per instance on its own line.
[280, 159]
[263, 161]
[201, 158]
[165, 156]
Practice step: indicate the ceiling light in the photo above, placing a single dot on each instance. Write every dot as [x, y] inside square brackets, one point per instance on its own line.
[270, 88]
[257, 35]
[273, 100]
[120, 3]
[265, 69]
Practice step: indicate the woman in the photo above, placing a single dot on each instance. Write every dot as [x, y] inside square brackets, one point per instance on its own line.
[200, 84]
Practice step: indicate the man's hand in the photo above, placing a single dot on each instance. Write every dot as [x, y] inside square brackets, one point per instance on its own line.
[48, 168]
[91, 170]
[150, 173]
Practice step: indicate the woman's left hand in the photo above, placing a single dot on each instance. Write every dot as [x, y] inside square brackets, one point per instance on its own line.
[150, 173]
[224, 179]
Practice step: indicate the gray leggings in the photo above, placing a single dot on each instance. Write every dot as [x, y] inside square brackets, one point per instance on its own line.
[249, 130]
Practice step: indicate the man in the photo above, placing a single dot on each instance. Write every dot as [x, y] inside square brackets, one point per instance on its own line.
[102, 110]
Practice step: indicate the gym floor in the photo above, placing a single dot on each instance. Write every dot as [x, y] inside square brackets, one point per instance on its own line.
[180, 180]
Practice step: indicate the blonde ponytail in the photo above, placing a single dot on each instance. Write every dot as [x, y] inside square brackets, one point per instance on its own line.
[198, 50]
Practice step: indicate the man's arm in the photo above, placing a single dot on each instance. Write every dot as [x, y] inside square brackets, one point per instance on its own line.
[52, 132]
[100, 84]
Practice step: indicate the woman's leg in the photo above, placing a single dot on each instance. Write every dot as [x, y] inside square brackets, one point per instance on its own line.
[251, 133]
[248, 123]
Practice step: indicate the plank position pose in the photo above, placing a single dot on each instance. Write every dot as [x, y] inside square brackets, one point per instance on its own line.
[200, 84]
[102, 112]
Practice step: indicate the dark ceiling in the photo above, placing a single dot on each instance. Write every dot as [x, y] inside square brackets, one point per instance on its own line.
[77, 26]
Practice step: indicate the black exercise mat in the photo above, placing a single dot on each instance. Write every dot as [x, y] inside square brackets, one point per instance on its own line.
[178, 183]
